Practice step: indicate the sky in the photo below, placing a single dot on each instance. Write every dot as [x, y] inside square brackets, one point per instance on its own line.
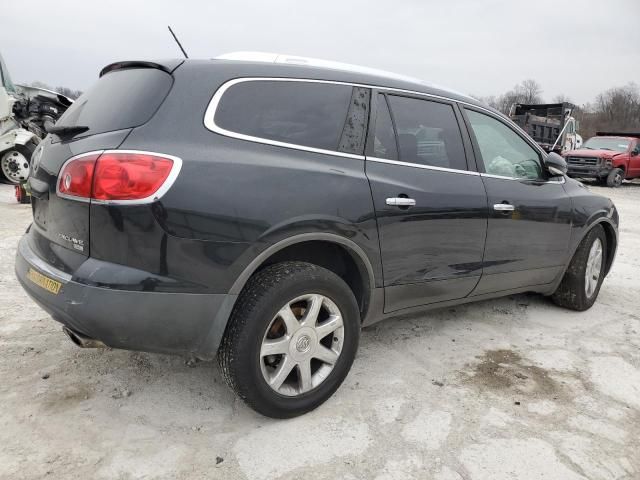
[481, 47]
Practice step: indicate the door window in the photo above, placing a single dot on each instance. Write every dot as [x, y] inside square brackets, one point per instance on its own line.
[310, 114]
[428, 133]
[503, 151]
[384, 142]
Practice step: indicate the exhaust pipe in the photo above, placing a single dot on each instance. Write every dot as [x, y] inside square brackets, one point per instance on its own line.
[81, 340]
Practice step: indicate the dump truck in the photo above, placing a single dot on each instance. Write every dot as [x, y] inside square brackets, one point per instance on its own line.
[551, 125]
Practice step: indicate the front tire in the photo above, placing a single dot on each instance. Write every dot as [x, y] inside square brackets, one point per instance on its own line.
[615, 178]
[582, 280]
[291, 339]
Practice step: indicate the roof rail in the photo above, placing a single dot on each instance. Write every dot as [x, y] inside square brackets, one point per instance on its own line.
[314, 62]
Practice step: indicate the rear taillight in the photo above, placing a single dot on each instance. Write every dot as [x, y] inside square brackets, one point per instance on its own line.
[118, 176]
[76, 176]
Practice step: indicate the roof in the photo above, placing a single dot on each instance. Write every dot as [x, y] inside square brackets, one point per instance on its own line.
[366, 75]
[261, 64]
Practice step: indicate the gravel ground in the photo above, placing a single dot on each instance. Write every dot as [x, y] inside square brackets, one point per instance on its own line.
[514, 388]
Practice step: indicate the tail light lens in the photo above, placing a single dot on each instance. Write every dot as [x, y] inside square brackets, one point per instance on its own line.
[121, 176]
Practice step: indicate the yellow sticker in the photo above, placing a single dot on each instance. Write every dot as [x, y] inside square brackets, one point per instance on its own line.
[45, 282]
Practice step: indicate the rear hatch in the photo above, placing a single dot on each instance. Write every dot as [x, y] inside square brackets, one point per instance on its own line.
[124, 97]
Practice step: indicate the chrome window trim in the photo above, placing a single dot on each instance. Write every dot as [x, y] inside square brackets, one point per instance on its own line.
[209, 115]
[210, 124]
[164, 188]
[503, 177]
[418, 165]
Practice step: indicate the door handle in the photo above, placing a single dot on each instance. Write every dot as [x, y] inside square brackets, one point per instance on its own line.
[400, 202]
[504, 207]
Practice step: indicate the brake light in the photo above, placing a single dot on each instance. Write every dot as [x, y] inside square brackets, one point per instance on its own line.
[77, 175]
[129, 176]
[123, 176]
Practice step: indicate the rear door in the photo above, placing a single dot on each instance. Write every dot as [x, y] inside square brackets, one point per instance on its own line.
[430, 208]
[529, 214]
[119, 101]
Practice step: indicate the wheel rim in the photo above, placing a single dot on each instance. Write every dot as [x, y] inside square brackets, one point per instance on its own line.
[618, 179]
[302, 344]
[594, 266]
[15, 166]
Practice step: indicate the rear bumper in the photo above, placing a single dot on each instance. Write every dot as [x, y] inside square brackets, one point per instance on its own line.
[183, 323]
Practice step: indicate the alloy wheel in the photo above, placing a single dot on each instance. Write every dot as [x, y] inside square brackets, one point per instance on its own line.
[594, 267]
[302, 344]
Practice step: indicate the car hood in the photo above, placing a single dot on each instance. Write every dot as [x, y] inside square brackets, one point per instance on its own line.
[584, 152]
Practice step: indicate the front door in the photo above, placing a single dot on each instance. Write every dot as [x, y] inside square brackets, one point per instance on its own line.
[430, 208]
[529, 214]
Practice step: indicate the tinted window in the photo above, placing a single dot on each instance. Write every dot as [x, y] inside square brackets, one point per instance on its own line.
[503, 151]
[120, 99]
[428, 133]
[302, 113]
[384, 142]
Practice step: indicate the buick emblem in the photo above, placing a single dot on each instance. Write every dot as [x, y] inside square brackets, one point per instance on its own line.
[303, 344]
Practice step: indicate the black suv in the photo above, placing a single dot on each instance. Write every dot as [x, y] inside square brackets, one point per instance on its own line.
[265, 212]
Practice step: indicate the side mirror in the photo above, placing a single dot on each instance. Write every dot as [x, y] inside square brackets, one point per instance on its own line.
[555, 164]
[635, 151]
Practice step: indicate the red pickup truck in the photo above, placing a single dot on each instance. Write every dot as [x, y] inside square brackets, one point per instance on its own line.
[609, 157]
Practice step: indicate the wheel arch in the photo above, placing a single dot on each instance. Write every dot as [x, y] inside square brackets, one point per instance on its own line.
[611, 234]
[338, 254]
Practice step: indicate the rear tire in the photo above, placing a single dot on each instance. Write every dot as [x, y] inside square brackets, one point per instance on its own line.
[615, 178]
[579, 289]
[261, 319]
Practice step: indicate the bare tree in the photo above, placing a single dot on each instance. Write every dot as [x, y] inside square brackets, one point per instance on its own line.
[562, 98]
[530, 91]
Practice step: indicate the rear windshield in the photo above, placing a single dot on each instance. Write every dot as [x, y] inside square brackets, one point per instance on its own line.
[120, 99]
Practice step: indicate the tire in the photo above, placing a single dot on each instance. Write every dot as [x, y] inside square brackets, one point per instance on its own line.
[573, 291]
[13, 161]
[615, 178]
[257, 320]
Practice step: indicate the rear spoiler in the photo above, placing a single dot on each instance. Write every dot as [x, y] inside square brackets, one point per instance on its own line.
[618, 134]
[167, 66]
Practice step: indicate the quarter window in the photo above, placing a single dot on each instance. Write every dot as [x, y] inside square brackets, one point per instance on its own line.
[503, 151]
[310, 114]
[428, 133]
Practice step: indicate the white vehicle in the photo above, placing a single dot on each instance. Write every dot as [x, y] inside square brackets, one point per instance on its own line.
[26, 113]
[16, 143]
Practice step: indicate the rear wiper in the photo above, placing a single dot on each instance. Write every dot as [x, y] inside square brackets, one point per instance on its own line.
[67, 131]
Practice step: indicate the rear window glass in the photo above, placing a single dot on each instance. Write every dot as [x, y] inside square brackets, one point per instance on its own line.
[309, 114]
[120, 99]
[428, 133]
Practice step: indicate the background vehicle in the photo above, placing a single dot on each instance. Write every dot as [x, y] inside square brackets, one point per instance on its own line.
[225, 209]
[609, 157]
[550, 125]
[25, 114]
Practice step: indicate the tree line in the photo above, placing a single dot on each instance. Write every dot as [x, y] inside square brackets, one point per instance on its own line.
[614, 110]
[67, 92]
